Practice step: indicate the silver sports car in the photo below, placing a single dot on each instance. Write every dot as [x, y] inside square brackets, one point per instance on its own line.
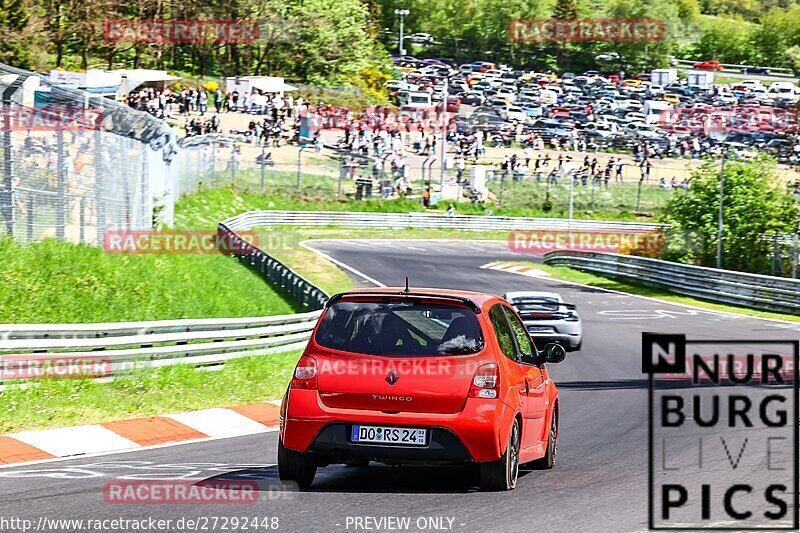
[548, 318]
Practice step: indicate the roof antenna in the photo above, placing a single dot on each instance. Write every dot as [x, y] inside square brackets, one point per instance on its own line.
[406, 290]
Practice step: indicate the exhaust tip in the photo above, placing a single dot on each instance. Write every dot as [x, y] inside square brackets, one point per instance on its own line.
[344, 456]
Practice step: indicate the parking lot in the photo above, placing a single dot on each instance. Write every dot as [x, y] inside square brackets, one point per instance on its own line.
[594, 111]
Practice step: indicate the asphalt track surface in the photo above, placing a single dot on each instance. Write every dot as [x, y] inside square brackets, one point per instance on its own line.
[599, 483]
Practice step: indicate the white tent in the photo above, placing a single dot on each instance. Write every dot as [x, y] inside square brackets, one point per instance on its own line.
[267, 84]
[125, 80]
[130, 80]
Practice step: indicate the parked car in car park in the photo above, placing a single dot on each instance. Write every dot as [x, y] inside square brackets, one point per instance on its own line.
[582, 106]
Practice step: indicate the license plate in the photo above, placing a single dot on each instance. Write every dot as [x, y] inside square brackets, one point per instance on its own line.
[389, 435]
[540, 329]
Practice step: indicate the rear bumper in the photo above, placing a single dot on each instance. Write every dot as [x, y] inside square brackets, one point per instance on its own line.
[567, 333]
[570, 342]
[473, 434]
[443, 447]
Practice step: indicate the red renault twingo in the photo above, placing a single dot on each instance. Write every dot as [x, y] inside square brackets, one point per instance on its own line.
[423, 376]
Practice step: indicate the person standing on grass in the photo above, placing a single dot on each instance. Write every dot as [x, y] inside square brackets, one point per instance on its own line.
[202, 101]
[426, 198]
[218, 100]
[460, 166]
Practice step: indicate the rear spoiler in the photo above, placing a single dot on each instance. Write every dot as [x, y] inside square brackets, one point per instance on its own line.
[402, 294]
[568, 306]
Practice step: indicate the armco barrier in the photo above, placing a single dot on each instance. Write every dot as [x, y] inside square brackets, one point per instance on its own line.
[290, 282]
[724, 286]
[126, 345]
[256, 219]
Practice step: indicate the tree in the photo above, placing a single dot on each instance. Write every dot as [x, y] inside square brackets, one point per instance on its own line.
[756, 205]
[793, 58]
[726, 39]
[16, 46]
[565, 10]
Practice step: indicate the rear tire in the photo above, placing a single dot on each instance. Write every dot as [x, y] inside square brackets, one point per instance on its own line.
[297, 467]
[502, 474]
[549, 460]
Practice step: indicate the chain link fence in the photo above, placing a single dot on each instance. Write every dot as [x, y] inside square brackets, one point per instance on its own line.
[217, 160]
[223, 160]
[75, 165]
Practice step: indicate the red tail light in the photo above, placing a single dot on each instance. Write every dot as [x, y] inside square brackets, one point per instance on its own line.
[485, 382]
[305, 373]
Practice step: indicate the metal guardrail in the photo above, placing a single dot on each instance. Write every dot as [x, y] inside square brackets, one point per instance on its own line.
[117, 329]
[126, 345]
[295, 286]
[725, 286]
[256, 219]
[786, 71]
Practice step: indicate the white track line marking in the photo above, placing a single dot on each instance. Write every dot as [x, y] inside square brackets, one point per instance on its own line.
[342, 265]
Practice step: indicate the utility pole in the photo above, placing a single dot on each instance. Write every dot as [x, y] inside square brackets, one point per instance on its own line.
[443, 127]
[401, 13]
[300, 166]
[719, 213]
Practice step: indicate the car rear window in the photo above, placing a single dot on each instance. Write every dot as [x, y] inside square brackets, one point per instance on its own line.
[400, 329]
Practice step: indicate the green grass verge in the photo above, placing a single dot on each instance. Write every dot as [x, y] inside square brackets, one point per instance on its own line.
[620, 201]
[54, 281]
[207, 207]
[54, 403]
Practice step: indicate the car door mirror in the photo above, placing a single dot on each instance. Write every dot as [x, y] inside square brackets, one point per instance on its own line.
[554, 353]
[530, 359]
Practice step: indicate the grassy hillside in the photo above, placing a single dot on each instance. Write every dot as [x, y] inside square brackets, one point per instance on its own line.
[54, 281]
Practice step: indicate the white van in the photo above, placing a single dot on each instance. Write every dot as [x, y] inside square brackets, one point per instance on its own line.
[548, 97]
[414, 99]
[653, 109]
[785, 90]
